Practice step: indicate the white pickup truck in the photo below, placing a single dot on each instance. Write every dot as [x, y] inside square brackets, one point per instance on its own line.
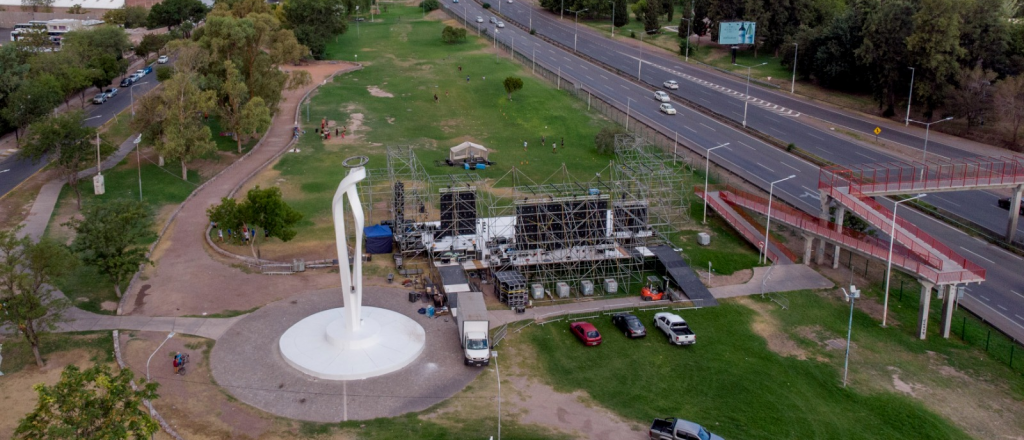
[675, 328]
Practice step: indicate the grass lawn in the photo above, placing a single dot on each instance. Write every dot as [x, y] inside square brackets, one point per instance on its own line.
[17, 352]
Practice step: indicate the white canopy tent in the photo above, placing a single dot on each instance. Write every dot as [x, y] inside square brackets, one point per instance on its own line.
[468, 151]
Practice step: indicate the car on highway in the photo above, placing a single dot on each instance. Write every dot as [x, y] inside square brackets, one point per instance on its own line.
[586, 333]
[479, 19]
[144, 71]
[1005, 204]
[128, 81]
[494, 20]
[661, 96]
[455, 1]
[500, 24]
[671, 84]
[100, 98]
[667, 109]
[163, 59]
[630, 325]
[510, 1]
[111, 92]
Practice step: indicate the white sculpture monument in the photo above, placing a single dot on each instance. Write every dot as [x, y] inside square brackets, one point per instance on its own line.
[352, 342]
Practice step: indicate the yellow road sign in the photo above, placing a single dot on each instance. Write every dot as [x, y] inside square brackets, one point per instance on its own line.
[878, 131]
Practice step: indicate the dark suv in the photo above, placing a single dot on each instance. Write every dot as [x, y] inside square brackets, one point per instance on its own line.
[629, 325]
[127, 82]
[1005, 204]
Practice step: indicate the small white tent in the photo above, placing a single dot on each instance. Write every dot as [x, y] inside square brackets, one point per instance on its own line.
[468, 151]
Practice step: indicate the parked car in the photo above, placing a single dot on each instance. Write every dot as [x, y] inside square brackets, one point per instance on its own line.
[586, 333]
[128, 81]
[500, 24]
[111, 92]
[163, 59]
[679, 429]
[675, 328]
[455, 1]
[1005, 204]
[629, 324]
[667, 109]
[661, 96]
[100, 98]
[494, 20]
[479, 19]
[671, 84]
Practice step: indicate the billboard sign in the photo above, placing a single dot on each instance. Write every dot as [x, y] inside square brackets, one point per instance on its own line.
[736, 32]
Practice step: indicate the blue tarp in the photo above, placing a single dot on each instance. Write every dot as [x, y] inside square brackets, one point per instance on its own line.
[378, 239]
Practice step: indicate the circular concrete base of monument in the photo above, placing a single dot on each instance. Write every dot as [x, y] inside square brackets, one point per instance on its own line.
[322, 346]
[247, 363]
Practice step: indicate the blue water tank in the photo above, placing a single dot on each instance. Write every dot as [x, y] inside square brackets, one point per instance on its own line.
[594, 191]
[481, 166]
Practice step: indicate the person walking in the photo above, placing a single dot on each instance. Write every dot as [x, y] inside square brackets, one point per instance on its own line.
[467, 78]
[460, 68]
[524, 146]
[563, 141]
[220, 235]
[435, 98]
[553, 145]
[542, 141]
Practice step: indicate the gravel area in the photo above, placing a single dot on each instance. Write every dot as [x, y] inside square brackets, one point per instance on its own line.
[247, 363]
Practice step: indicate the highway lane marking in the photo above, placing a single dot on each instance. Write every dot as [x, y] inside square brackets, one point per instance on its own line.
[737, 114]
[1001, 307]
[762, 166]
[976, 255]
[4, 171]
[688, 128]
[567, 59]
[864, 155]
[705, 100]
[776, 130]
[1017, 293]
[605, 77]
[947, 201]
[705, 126]
[623, 86]
[818, 138]
[588, 77]
[984, 297]
[788, 165]
[1000, 314]
[1019, 317]
[584, 67]
[745, 145]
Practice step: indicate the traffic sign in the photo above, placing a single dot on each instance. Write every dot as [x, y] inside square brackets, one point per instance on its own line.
[878, 131]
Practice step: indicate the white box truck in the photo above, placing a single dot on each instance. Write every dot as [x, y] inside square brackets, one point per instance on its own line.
[474, 328]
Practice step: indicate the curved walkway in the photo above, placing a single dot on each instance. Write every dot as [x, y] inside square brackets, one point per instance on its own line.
[186, 279]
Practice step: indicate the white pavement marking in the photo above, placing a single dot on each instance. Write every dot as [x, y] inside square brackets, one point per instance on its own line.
[1004, 316]
[1001, 307]
[776, 130]
[688, 128]
[762, 166]
[620, 85]
[976, 255]
[705, 100]
[947, 201]
[707, 127]
[788, 165]
[1017, 293]
[588, 77]
[864, 155]
[984, 297]
[745, 145]
[584, 67]
[1019, 317]
[813, 136]
[605, 77]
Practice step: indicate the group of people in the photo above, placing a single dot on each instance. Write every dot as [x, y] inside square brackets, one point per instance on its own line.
[543, 142]
[244, 235]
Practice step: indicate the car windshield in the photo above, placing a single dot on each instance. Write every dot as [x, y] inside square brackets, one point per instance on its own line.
[593, 334]
[477, 344]
[634, 323]
[703, 434]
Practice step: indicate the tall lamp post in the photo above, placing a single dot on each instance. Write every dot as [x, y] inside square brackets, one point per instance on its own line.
[748, 74]
[168, 338]
[576, 29]
[687, 38]
[853, 295]
[792, 86]
[627, 112]
[640, 62]
[888, 263]
[613, 17]
[927, 128]
[707, 169]
[910, 97]
[767, 238]
[131, 91]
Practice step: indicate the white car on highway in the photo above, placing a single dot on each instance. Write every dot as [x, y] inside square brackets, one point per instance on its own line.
[661, 96]
[479, 19]
[163, 59]
[501, 24]
[667, 109]
[671, 84]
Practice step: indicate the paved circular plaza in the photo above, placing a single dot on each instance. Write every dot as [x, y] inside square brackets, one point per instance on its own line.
[247, 363]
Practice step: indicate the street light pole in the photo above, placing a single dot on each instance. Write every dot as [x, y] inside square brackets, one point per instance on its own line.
[745, 102]
[910, 97]
[853, 295]
[688, 22]
[707, 172]
[169, 336]
[748, 74]
[131, 91]
[497, 372]
[927, 128]
[627, 112]
[796, 49]
[613, 17]
[888, 263]
[575, 31]
[768, 223]
[139, 160]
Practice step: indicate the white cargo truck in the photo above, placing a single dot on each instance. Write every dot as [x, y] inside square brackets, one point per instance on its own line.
[474, 328]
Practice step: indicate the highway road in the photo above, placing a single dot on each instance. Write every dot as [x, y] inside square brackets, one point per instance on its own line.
[14, 170]
[753, 159]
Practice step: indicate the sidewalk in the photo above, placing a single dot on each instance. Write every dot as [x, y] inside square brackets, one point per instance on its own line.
[79, 320]
[783, 278]
[46, 201]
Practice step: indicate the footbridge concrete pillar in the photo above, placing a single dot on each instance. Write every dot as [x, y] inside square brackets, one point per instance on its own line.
[840, 213]
[922, 315]
[825, 203]
[948, 301]
[808, 247]
[1011, 226]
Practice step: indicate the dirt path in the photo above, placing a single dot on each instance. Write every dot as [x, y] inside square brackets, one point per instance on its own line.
[186, 279]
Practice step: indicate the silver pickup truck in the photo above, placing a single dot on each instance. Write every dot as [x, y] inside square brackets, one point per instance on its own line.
[679, 429]
[675, 328]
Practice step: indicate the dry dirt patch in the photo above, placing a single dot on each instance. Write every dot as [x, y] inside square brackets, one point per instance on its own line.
[738, 277]
[17, 397]
[769, 328]
[376, 91]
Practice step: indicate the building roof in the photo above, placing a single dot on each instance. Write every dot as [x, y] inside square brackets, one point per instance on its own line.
[86, 4]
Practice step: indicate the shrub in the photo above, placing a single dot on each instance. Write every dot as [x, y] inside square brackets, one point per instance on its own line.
[632, 34]
[164, 73]
[487, 6]
[605, 139]
[430, 5]
[533, 32]
[790, 147]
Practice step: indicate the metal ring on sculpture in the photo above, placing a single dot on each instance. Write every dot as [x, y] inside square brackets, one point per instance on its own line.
[355, 161]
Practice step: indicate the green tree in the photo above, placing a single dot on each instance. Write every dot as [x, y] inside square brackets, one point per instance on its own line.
[621, 13]
[605, 139]
[91, 404]
[27, 270]
[1009, 102]
[150, 43]
[104, 69]
[38, 5]
[262, 208]
[128, 16]
[32, 99]
[173, 120]
[65, 141]
[91, 43]
[884, 51]
[12, 73]
[834, 53]
[77, 10]
[315, 22]
[172, 13]
[934, 48]
[668, 8]
[245, 115]
[984, 34]
[512, 84]
[973, 98]
[430, 5]
[651, 13]
[109, 237]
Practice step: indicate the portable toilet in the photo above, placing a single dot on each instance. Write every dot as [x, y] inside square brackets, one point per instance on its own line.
[610, 286]
[587, 287]
[562, 289]
[537, 291]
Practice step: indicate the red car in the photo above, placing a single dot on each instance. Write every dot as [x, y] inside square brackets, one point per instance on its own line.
[586, 333]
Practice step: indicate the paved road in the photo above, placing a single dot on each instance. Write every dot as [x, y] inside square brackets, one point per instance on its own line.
[14, 170]
[752, 159]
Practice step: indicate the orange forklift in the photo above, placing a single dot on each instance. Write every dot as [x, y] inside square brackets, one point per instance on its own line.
[653, 291]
